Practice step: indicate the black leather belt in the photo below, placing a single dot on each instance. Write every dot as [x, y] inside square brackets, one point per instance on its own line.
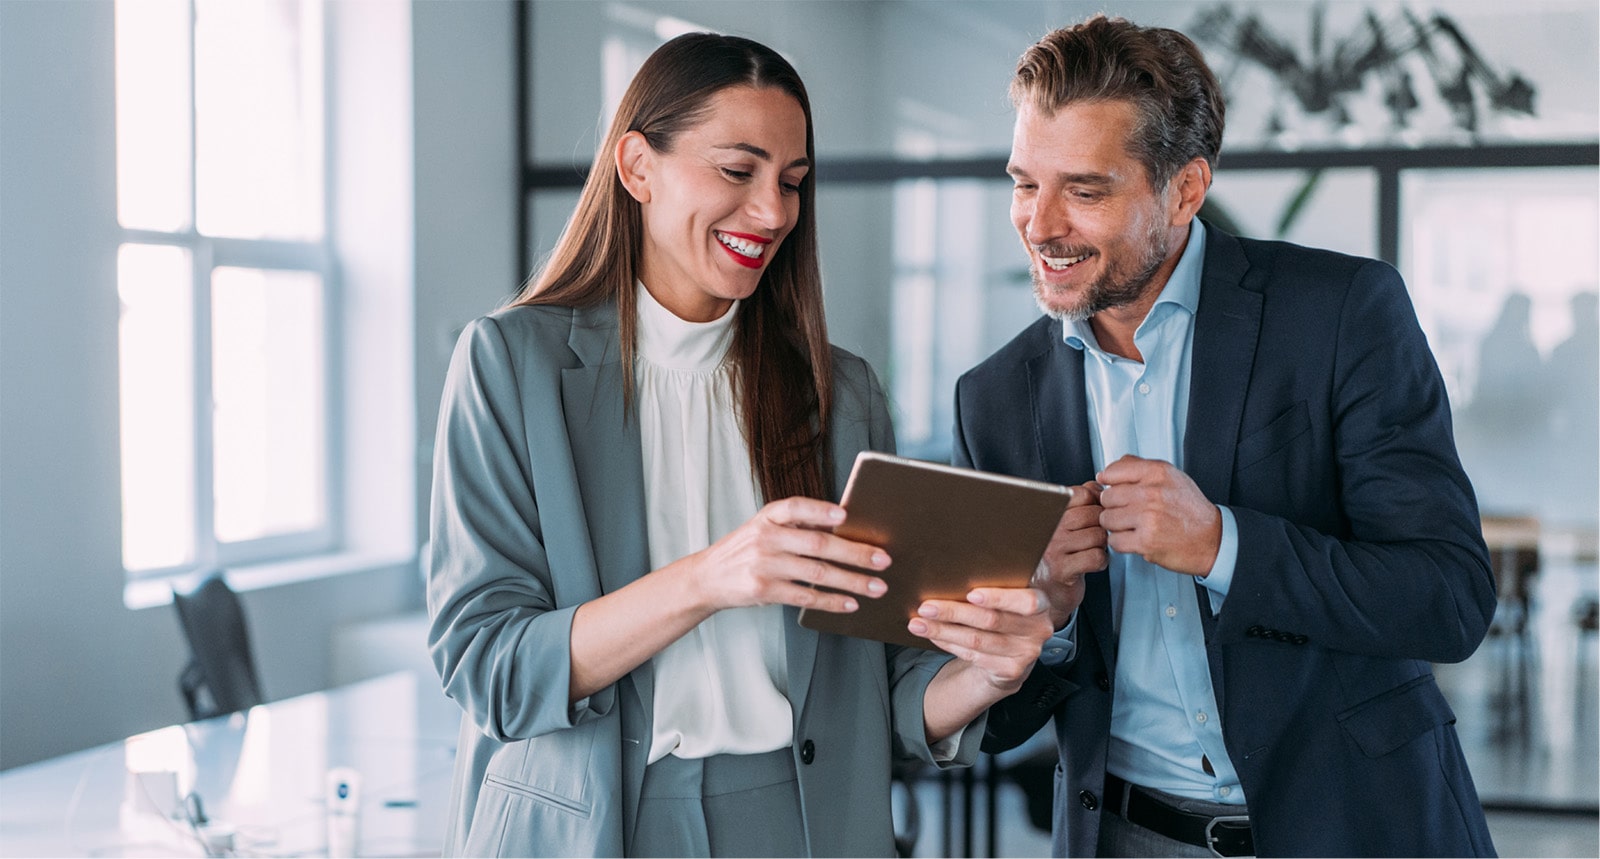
[1225, 835]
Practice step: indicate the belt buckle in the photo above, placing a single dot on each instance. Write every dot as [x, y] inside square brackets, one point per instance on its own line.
[1211, 840]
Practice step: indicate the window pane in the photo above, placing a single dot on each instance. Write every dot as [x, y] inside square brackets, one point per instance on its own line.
[155, 337]
[1504, 265]
[152, 42]
[258, 118]
[268, 389]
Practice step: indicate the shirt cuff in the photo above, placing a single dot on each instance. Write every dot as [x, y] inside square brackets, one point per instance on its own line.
[945, 750]
[1060, 648]
[1221, 576]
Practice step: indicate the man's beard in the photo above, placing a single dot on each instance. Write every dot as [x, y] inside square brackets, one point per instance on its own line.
[1115, 287]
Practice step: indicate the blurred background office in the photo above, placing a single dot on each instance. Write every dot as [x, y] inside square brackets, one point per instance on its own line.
[238, 240]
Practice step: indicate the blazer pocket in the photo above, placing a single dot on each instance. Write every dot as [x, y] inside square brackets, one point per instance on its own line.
[1276, 435]
[543, 797]
[1385, 723]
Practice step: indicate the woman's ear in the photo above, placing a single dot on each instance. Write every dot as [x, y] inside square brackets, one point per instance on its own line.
[635, 165]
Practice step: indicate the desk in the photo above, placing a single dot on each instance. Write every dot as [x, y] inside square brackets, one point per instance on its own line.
[262, 771]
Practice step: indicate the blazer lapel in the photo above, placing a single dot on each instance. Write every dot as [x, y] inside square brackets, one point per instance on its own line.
[607, 456]
[1227, 326]
[1061, 417]
[800, 649]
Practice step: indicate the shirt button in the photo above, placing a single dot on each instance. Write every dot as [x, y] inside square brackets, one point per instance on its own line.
[1172, 611]
[1200, 717]
[1225, 790]
[1144, 387]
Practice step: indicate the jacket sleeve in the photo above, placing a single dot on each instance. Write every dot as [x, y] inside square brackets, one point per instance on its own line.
[498, 638]
[1402, 570]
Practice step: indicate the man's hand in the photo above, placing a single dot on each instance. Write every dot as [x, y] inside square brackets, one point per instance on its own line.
[1077, 547]
[1153, 510]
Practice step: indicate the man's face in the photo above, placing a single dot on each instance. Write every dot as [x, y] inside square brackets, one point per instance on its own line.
[1098, 235]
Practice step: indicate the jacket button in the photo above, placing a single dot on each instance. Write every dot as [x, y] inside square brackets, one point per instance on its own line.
[1253, 632]
[1088, 800]
[808, 752]
[1301, 639]
[1102, 682]
[1285, 637]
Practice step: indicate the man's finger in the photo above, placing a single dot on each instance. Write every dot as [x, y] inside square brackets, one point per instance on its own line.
[1128, 469]
[1084, 494]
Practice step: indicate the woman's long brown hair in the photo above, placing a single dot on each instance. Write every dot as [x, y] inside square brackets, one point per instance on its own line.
[782, 368]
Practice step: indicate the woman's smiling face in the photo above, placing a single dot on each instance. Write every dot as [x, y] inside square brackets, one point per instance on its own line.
[717, 206]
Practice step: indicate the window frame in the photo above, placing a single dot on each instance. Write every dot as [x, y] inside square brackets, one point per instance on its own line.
[208, 253]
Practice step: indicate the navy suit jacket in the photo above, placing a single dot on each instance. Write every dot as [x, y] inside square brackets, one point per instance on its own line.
[1317, 414]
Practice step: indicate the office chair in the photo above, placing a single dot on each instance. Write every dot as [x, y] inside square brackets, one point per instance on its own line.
[221, 674]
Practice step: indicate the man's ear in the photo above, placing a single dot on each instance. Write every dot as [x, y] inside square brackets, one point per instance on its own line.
[1193, 181]
[635, 165]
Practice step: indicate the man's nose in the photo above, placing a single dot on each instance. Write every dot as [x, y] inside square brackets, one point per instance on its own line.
[1048, 220]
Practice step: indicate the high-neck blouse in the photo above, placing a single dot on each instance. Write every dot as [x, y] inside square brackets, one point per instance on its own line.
[721, 688]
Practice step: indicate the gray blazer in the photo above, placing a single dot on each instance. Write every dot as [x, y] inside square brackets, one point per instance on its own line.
[538, 507]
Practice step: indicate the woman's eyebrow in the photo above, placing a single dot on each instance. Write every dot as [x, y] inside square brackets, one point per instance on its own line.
[763, 154]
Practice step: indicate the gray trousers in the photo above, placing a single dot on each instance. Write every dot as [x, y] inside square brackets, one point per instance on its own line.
[725, 805]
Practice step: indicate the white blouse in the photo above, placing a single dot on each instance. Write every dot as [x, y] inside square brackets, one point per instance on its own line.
[721, 688]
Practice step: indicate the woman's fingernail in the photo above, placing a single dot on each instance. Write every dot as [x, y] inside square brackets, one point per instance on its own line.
[876, 586]
[977, 598]
[836, 514]
[850, 605]
[917, 627]
[928, 611]
[880, 560]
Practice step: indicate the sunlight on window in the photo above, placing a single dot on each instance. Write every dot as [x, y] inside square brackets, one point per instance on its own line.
[258, 118]
[267, 387]
[153, 114]
[155, 340]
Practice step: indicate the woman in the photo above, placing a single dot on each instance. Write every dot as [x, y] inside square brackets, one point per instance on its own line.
[613, 605]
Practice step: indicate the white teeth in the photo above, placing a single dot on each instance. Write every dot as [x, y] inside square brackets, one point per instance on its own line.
[740, 246]
[1059, 263]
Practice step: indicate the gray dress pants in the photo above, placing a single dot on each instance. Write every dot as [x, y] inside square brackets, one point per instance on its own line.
[725, 805]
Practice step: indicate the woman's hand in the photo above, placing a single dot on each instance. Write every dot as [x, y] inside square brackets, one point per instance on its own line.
[996, 632]
[779, 554]
[995, 635]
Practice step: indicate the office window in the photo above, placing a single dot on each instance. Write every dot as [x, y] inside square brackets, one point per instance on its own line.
[1503, 268]
[223, 274]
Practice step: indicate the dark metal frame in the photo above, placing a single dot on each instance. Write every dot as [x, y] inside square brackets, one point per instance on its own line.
[1386, 163]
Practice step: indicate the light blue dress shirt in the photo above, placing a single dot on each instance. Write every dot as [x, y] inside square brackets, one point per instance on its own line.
[1164, 718]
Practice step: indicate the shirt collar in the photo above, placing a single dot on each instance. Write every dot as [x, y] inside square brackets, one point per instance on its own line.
[1181, 290]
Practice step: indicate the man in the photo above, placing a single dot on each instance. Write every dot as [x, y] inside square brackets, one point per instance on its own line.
[1264, 445]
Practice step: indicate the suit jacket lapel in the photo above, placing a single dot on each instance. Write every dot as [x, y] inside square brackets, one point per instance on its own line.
[607, 456]
[1061, 417]
[800, 649]
[1227, 326]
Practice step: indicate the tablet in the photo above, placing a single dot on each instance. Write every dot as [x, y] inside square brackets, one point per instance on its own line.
[947, 530]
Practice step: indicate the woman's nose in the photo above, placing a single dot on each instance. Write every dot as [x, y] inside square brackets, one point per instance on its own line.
[767, 205]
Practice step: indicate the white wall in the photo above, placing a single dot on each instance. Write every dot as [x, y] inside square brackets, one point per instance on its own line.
[77, 667]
